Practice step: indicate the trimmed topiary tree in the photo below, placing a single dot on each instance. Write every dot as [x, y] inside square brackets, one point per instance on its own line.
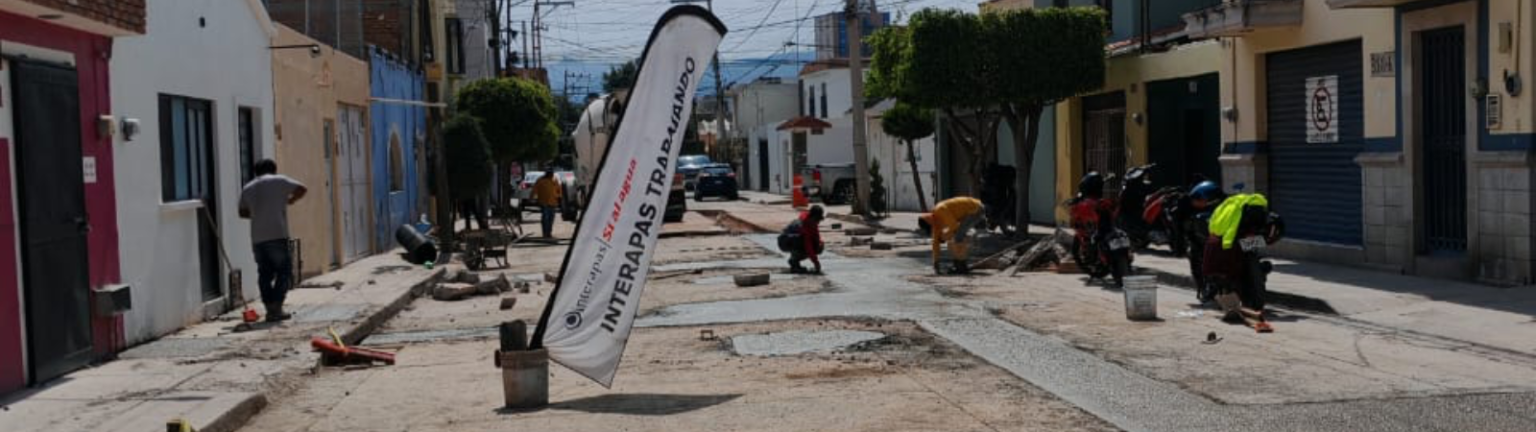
[909, 123]
[517, 116]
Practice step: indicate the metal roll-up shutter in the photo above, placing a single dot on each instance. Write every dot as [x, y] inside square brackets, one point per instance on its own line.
[1313, 178]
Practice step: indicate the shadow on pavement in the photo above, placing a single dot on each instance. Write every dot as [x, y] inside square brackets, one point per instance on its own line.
[649, 404]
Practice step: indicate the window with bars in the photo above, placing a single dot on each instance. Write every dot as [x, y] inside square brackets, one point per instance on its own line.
[455, 56]
[250, 148]
[186, 148]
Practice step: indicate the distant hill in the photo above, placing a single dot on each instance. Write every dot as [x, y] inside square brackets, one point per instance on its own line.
[587, 77]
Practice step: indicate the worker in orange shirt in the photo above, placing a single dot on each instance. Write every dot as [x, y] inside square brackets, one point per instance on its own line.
[951, 222]
[547, 192]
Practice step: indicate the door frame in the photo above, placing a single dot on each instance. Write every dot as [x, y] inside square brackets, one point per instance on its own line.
[1462, 14]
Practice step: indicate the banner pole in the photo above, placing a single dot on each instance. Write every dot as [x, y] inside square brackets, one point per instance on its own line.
[537, 341]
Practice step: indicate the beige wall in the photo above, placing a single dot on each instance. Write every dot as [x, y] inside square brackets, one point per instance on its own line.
[1518, 111]
[1242, 68]
[1129, 73]
[308, 89]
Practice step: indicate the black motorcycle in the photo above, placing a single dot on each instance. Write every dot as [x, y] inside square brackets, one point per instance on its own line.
[1000, 196]
[1146, 214]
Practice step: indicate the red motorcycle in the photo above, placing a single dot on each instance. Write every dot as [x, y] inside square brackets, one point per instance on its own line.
[1099, 247]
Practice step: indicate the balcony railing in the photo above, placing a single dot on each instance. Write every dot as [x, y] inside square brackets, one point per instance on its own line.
[1242, 17]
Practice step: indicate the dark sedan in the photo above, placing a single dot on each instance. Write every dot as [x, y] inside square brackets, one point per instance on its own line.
[715, 180]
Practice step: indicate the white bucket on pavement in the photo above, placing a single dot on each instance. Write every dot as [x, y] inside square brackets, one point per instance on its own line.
[1140, 298]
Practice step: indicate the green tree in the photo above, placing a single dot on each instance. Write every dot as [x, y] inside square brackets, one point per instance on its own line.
[1017, 63]
[909, 123]
[518, 117]
[620, 77]
[877, 201]
[470, 156]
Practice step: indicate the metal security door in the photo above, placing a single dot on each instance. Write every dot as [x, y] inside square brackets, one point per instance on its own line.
[762, 165]
[54, 223]
[1104, 146]
[353, 156]
[1316, 116]
[1445, 139]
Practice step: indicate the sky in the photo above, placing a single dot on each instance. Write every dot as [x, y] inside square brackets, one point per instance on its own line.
[593, 34]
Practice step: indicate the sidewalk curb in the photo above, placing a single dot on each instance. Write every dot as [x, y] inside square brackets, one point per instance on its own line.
[1288, 300]
[377, 319]
[242, 413]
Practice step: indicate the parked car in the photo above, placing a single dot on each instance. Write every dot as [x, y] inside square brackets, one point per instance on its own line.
[689, 166]
[677, 200]
[833, 183]
[715, 180]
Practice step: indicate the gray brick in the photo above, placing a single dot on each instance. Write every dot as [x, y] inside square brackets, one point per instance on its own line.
[1518, 202]
[1375, 215]
[1394, 177]
[1398, 236]
[1395, 196]
[1490, 223]
[1490, 247]
[1516, 225]
[1490, 200]
[1518, 179]
[1518, 248]
[1489, 179]
[1395, 217]
[1374, 177]
[1375, 197]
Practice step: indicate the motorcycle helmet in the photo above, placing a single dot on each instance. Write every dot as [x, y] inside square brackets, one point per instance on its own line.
[1206, 190]
[1092, 185]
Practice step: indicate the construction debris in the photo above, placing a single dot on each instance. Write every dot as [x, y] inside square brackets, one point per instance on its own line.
[752, 280]
[451, 291]
[508, 302]
[861, 231]
[881, 246]
[1050, 252]
[860, 241]
[999, 260]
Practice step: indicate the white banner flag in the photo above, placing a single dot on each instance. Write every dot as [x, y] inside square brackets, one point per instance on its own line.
[587, 321]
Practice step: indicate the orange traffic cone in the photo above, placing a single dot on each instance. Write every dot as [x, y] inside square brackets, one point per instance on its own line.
[799, 200]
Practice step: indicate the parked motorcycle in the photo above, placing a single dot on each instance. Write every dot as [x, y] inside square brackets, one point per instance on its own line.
[1000, 195]
[1099, 247]
[1145, 214]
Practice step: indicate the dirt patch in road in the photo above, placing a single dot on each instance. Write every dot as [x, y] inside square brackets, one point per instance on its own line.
[1309, 358]
[672, 380]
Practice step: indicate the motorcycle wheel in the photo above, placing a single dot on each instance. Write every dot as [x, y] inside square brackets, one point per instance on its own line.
[1120, 266]
[1087, 260]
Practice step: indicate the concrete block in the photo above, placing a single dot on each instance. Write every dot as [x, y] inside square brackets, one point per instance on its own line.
[1490, 201]
[1376, 254]
[1375, 177]
[1398, 236]
[1395, 196]
[1518, 225]
[1395, 217]
[1490, 222]
[1517, 179]
[1375, 197]
[1490, 247]
[1375, 235]
[1518, 248]
[1394, 177]
[1489, 180]
[1518, 202]
[1375, 215]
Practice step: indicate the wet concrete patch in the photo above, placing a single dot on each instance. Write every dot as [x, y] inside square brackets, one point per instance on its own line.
[727, 279]
[327, 313]
[431, 336]
[799, 342]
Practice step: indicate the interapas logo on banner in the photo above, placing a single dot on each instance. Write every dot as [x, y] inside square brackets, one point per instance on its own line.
[587, 322]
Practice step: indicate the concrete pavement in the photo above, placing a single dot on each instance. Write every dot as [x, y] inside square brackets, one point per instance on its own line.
[212, 376]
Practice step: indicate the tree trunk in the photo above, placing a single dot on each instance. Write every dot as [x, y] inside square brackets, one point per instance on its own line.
[1025, 123]
[917, 178]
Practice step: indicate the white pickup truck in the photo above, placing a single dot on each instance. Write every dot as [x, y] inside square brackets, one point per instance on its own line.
[593, 134]
[833, 183]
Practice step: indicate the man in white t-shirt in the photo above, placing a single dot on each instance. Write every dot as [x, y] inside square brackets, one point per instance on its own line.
[265, 202]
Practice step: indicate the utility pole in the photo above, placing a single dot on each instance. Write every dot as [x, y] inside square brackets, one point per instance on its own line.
[856, 83]
[719, 92]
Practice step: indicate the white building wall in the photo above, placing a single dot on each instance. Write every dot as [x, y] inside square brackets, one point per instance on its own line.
[207, 49]
[839, 97]
[757, 107]
[897, 171]
[478, 60]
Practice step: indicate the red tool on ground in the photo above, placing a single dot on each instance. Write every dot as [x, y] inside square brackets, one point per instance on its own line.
[336, 353]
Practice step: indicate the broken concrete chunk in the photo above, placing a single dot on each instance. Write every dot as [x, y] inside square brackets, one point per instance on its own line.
[880, 246]
[508, 302]
[551, 278]
[752, 280]
[494, 286]
[452, 291]
[862, 231]
[860, 241]
[468, 277]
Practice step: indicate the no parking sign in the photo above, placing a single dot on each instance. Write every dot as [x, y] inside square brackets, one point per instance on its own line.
[1323, 109]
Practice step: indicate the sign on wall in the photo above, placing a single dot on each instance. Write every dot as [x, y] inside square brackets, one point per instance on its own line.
[1384, 64]
[1323, 109]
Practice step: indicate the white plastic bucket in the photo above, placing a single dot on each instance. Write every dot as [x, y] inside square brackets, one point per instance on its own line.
[1140, 298]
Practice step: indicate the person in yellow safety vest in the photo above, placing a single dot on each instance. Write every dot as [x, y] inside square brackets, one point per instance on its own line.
[950, 222]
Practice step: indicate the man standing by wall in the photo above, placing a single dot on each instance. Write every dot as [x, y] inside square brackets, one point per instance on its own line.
[547, 193]
[265, 202]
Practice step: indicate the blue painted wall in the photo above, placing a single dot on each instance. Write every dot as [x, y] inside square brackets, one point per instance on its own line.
[392, 79]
